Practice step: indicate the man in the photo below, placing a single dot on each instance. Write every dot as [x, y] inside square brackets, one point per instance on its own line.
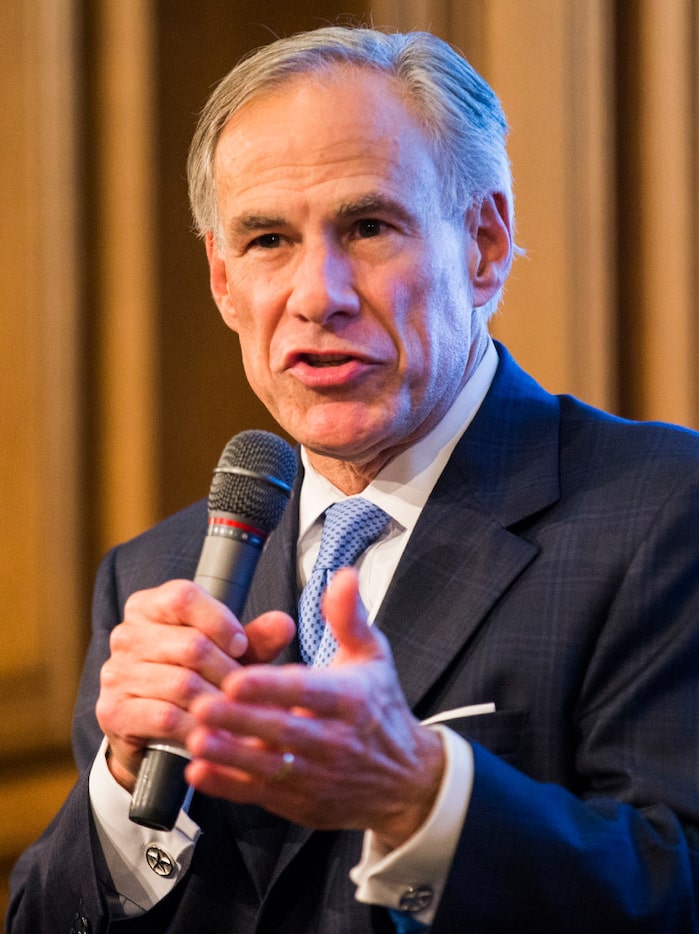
[507, 737]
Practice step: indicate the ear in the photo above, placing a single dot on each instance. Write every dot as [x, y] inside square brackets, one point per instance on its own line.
[491, 231]
[218, 282]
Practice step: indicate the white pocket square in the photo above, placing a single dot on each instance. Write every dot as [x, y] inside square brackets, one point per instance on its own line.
[472, 710]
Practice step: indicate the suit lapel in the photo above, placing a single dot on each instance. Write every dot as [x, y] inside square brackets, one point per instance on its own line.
[465, 551]
[442, 592]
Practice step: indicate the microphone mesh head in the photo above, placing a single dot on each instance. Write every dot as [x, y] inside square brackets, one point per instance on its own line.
[253, 495]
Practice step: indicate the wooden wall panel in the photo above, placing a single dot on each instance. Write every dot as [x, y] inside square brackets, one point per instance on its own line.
[665, 219]
[39, 414]
[125, 305]
[42, 628]
[556, 87]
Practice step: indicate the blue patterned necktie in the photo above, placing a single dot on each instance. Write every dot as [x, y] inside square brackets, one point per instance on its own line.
[349, 527]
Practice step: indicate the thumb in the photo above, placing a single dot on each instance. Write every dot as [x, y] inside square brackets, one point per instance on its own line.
[347, 617]
[267, 636]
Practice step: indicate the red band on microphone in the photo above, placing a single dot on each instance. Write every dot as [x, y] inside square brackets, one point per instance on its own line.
[231, 523]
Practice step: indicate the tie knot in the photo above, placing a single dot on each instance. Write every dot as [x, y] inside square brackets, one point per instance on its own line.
[350, 526]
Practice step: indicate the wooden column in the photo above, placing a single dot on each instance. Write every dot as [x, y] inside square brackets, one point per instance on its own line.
[125, 295]
[664, 220]
[43, 624]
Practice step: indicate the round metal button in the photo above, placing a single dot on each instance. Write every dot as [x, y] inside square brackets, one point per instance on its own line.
[416, 898]
[160, 861]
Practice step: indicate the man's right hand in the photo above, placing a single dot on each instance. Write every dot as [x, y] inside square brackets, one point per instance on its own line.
[176, 642]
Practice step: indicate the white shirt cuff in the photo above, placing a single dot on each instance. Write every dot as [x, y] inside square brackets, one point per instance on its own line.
[422, 863]
[145, 864]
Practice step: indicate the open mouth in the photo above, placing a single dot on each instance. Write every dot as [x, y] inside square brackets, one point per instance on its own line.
[329, 369]
[325, 360]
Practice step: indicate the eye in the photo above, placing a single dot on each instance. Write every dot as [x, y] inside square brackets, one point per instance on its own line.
[369, 227]
[268, 241]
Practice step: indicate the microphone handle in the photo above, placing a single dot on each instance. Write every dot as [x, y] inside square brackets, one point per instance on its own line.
[226, 566]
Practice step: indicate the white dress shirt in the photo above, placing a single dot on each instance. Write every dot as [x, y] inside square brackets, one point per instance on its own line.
[401, 489]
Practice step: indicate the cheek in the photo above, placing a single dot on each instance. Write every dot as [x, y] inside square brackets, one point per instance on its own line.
[250, 319]
[254, 350]
[436, 333]
[417, 305]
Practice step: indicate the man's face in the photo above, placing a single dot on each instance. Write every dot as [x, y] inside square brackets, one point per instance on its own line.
[350, 290]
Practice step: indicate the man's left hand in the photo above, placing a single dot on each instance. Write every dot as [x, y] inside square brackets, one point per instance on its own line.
[332, 748]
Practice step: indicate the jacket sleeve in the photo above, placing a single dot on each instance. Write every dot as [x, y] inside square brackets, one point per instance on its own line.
[54, 884]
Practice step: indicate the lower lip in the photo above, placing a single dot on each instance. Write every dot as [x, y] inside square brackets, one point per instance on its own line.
[330, 377]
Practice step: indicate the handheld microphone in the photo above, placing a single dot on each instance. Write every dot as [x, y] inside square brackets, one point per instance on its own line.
[249, 492]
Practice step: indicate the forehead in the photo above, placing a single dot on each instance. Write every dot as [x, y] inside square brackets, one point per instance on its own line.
[331, 133]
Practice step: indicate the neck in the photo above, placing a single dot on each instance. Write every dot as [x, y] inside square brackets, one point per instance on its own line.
[349, 478]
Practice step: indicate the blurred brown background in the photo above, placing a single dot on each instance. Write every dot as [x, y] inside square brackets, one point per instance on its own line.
[119, 385]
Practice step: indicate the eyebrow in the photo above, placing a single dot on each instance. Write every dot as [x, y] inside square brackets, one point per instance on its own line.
[374, 204]
[250, 222]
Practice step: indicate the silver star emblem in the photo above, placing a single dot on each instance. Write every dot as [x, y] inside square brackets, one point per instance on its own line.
[160, 862]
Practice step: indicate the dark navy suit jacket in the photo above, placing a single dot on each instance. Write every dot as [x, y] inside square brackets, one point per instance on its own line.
[555, 572]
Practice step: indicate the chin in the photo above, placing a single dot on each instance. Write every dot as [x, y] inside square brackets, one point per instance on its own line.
[352, 447]
[339, 430]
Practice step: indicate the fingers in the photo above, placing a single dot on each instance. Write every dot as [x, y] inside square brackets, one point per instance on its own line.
[175, 643]
[255, 762]
[258, 784]
[360, 758]
[336, 693]
[267, 722]
[184, 603]
[199, 622]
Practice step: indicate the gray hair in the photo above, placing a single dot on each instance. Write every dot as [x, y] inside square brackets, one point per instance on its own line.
[457, 109]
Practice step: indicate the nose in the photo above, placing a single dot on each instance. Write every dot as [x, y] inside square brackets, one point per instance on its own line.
[323, 286]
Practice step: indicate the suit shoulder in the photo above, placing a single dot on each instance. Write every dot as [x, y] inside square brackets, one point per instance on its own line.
[594, 441]
[645, 434]
[168, 550]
